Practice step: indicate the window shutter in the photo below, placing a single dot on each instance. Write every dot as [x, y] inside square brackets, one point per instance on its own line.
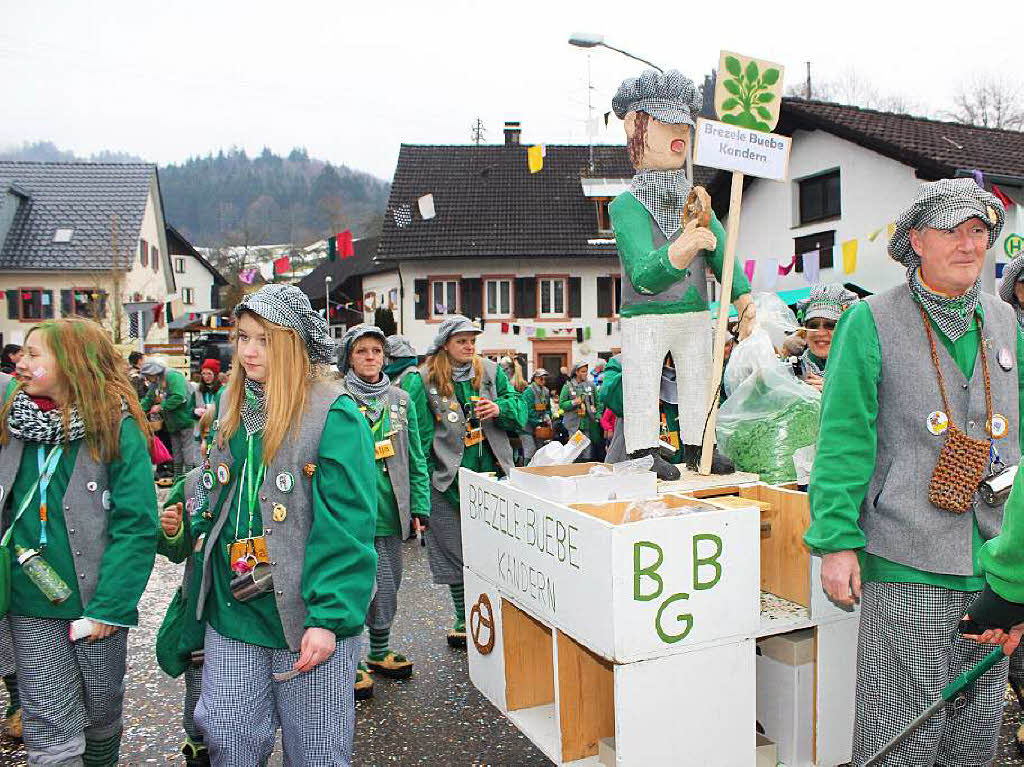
[13, 304]
[422, 304]
[575, 296]
[605, 287]
[472, 297]
[154, 257]
[143, 252]
[526, 297]
[66, 305]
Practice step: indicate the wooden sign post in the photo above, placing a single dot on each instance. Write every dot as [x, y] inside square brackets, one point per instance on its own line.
[748, 96]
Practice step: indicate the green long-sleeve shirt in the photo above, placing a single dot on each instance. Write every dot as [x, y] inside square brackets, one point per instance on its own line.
[588, 419]
[535, 416]
[511, 417]
[413, 385]
[648, 268]
[388, 519]
[177, 414]
[131, 534]
[340, 562]
[847, 444]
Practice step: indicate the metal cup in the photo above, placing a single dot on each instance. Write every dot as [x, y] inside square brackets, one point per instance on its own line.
[256, 582]
[996, 487]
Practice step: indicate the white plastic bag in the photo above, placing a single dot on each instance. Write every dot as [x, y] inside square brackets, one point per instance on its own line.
[556, 454]
[753, 353]
[774, 317]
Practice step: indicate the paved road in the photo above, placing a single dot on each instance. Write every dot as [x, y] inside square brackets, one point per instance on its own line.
[435, 718]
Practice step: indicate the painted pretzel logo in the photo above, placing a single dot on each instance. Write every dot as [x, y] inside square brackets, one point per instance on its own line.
[481, 616]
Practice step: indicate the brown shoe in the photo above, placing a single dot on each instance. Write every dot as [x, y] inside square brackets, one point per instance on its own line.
[12, 726]
[364, 683]
[392, 665]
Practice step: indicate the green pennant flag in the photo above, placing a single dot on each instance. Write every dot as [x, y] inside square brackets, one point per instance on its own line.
[541, 333]
[586, 333]
[332, 248]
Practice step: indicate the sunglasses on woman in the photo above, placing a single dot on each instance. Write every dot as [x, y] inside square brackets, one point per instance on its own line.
[819, 324]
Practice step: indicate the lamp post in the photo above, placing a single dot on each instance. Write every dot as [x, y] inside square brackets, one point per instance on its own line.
[588, 40]
[327, 300]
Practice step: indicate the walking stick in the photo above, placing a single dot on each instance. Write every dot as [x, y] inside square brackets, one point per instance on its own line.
[949, 693]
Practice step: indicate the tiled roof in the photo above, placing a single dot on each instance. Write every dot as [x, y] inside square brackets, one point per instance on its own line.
[488, 204]
[77, 196]
[936, 149]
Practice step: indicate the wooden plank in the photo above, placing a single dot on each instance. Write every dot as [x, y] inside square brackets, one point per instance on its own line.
[529, 665]
[586, 699]
[785, 560]
[714, 492]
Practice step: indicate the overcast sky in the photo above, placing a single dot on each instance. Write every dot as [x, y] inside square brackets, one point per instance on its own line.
[166, 80]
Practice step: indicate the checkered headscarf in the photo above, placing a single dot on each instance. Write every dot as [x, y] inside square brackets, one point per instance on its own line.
[288, 306]
[1013, 273]
[663, 193]
[828, 301]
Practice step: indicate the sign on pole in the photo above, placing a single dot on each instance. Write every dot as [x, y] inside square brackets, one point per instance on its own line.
[748, 96]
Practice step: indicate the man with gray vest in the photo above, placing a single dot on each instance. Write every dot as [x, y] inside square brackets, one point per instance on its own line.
[665, 290]
[403, 487]
[921, 402]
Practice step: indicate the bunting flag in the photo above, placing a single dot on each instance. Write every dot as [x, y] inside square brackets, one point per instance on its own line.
[784, 270]
[402, 215]
[770, 273]
[332, 249]
[282, 265]
[535, 158]
[812, 266]
[608, 328]
[426, 203]
[874, 235]
[504, 327]
[748, 269]
[267, 272]
[850, 256]
[586, 333]
[890, 229]
[345, 247]
[529, 331]
[515, 330]
[248, 276]
[1007, 201]
[540, 333]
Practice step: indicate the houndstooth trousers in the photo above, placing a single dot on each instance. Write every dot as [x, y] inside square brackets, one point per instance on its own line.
[646, 340]
[193, 689]
[70, 692]
[908, 650]
[6, 648]
[241, 706]
[444, 540]
[384, 604]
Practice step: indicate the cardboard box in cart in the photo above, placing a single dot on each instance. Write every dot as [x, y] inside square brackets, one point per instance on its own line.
[575, 484]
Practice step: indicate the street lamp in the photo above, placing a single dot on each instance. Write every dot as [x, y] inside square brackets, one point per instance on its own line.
[327, 299]
[588, 40]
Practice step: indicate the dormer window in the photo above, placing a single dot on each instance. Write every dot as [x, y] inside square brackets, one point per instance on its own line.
[604, 219]
[63, 235]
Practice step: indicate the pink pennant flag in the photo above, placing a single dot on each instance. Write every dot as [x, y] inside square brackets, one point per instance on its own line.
[748, 269]
[247, 275]
[784, 270]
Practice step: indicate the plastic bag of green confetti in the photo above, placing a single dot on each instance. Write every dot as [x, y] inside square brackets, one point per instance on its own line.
[769, 417]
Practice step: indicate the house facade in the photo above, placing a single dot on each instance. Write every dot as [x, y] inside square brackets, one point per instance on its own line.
[83, 239]
[196, 281]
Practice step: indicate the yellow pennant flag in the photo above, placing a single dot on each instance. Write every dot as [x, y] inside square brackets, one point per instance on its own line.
[850, 256]
[889, 229]
[535, 157]
[874, 235]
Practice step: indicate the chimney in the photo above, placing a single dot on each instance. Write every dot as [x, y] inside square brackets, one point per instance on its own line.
[512, 131]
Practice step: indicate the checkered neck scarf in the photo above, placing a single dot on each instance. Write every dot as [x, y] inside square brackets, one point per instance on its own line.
[663, 193]
[254, 409]
[462, 372]
[29, 423]
[954, 316]
[371, 396]
[810, 364]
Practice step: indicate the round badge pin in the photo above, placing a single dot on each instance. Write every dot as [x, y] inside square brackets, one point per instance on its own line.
[433, 391]
[453, 417]
[937, 422]
[1005, 359]
[285, 481]
[190, 505]
[223, 473]
[91, 486]
[998, 426]
[208, 480]
[308, 469]
[105, 500]
[280, 512]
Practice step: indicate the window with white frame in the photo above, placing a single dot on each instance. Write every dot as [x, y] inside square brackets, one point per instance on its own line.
[444, 296]
[179, 265]
[551, 296]
[188, 295]
[498, 298]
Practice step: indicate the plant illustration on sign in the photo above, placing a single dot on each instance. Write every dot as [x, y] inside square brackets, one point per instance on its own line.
[751, 90]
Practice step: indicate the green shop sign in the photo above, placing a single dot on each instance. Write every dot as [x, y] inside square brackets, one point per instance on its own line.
[1013, 245]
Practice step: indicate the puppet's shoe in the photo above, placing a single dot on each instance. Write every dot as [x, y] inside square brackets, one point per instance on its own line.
[720, 464]
[196, 754]
[392, 665]
[457, 636]
[364, 683]
[667, 472]
[12, 725]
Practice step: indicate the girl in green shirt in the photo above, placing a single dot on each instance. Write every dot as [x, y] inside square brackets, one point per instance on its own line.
[75, 470]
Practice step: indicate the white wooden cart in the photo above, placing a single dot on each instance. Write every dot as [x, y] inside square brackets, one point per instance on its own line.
[637, 644]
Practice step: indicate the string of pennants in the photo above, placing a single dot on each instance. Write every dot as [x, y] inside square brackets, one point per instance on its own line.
[844, 256]
[403, 212]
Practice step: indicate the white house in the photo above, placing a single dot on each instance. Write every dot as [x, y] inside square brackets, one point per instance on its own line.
[851, 172]
[196, 280]
[83, 239]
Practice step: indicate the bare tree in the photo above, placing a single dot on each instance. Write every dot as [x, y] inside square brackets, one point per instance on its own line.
[989, 101]
[852, 89]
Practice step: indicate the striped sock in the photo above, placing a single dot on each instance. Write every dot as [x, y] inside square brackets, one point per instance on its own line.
[11, 683]
[102, 753]
[459, 598]
[379, 641]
